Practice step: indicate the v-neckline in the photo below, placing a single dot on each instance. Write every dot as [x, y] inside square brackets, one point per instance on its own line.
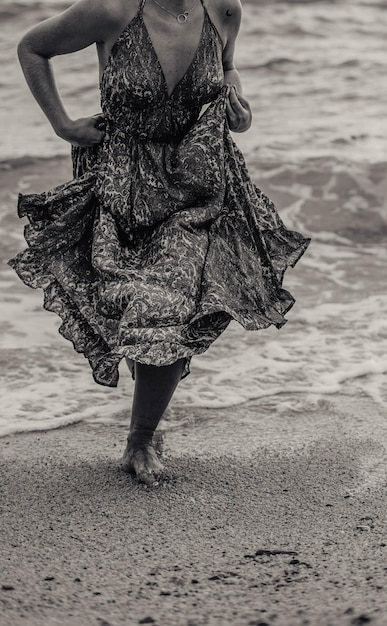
[166, 87]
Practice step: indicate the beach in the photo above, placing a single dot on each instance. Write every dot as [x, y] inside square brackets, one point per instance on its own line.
[283, 527]
[274, 510]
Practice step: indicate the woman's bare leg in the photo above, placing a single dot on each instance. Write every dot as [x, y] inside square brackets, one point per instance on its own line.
[154, 388]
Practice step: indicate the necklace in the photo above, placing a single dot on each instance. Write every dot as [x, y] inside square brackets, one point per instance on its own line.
[182, 17]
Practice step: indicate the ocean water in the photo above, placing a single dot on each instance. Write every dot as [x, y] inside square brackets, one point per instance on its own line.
[313, 71]
[314, 74]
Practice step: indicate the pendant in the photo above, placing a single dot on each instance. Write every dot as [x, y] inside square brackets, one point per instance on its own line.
[182, 17]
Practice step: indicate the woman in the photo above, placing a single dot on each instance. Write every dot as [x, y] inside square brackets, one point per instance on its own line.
[161, 238]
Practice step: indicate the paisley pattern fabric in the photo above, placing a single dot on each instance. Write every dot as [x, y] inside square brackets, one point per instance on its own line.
[161, 238]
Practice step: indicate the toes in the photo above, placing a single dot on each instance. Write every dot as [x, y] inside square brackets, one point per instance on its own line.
[127, 467]
[149, 471]
[151, 468]
[150, 479]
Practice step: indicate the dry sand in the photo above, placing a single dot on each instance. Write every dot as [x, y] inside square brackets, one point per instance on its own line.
[279, 524]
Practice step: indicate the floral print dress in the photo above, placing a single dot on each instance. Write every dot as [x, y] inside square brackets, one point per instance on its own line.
[161, 238]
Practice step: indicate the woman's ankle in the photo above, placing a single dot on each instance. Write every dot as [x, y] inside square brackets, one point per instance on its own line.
[141, 435]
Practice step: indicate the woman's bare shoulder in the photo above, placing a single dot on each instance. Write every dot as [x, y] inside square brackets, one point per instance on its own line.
[100, 16]
[112, 12]
[83, 23]
[227, 15]
[227, 10]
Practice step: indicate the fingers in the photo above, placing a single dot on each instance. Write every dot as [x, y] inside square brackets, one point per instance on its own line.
[233, 97]
[99, 121]
[238, 111]
[89, 142]
[237, 101]
[86, 132]
[93, 131]
[100, 127]
[99, 135]
[233, 118]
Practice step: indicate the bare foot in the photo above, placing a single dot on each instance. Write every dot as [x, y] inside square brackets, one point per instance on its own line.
[142, 459]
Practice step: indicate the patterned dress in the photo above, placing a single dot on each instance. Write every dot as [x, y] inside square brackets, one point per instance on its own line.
[161, 238]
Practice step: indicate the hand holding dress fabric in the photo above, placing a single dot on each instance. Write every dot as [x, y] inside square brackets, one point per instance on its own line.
[84, 132]
[238, 112]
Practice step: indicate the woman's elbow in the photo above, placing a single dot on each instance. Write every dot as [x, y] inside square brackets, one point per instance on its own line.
[23, 48]
[29, 47]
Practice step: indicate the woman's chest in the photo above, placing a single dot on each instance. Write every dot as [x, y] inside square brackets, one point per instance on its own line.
[139, 73]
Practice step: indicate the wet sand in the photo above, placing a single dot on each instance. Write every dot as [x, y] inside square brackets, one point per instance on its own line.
[282, 524]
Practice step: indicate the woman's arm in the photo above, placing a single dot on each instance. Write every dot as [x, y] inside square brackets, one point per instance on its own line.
[238, 109]
[84, 23]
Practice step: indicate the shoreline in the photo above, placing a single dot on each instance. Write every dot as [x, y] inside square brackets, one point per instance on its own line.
[307, 198]
[282, 524]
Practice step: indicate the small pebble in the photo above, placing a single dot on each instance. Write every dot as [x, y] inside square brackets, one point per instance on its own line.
[361, 619]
